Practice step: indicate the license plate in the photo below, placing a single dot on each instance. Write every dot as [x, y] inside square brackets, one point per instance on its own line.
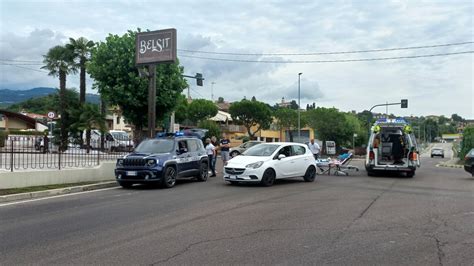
[233, 177]
[132, 173]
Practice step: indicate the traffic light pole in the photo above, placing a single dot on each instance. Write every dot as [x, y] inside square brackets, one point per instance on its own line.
[383, 104]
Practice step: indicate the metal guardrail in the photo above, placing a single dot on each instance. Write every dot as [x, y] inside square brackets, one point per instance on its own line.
[30, 153]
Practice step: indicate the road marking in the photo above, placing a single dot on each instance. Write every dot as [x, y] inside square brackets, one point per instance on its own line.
[57, 196]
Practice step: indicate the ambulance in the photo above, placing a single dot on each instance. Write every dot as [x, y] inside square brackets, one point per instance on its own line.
[392, 147]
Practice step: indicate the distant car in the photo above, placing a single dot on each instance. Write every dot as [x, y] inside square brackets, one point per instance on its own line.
[243, 147]
[469, 162]
[266, 162]
[437, 152]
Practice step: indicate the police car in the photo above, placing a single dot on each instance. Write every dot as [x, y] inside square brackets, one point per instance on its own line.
[162, 160]
[392, 147]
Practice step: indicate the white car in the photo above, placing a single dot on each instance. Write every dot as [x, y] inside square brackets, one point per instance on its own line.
[266, 162]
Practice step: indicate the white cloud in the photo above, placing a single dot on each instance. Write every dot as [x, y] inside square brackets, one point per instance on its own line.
[274, 27]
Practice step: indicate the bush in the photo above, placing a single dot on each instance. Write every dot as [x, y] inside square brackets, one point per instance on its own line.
[25, 133]
[3, 137]
[214, 129]
[467, 141]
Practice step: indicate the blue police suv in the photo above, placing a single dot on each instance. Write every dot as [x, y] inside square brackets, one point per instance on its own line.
[162, 160]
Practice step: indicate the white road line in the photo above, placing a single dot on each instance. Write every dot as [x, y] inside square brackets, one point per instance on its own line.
[58, 196]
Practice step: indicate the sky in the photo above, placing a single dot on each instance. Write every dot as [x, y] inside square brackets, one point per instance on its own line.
[268, 30]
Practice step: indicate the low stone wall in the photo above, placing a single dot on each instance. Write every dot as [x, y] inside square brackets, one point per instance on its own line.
[103, 172]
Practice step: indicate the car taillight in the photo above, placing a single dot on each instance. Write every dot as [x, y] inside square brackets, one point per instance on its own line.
[413, 156]
[371, 155]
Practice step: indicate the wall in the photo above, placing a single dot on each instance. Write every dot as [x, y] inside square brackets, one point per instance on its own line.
[103, 172]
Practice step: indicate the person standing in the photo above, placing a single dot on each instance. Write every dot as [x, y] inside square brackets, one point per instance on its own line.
[211, 153]
[314, 148]
[225, 147]
[216, 146]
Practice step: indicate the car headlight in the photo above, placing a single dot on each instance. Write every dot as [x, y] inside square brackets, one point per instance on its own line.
[120, 162]
[151, 162]
[254, 165]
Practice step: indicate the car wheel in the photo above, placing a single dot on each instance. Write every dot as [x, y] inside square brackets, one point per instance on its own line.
[442, 156]
[410, 174]
[125, 184]
[370, 173]
[268, 178]
[169, 178]
[310, 174]
[234, 153]
[432, 156]
[203, 174]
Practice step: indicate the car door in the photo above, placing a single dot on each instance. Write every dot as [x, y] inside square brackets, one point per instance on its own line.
[195, 152]
[183, 157]
[301, 159]
[284, 167]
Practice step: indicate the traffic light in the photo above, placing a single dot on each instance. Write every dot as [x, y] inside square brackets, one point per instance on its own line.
[199, 79]
[404, 103]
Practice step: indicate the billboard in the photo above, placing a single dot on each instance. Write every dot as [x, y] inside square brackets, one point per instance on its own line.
[153, 47]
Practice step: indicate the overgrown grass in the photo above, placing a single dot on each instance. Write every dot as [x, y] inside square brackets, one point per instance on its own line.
[10, 191]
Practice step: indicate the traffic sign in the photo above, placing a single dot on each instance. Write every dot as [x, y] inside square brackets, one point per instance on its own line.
[51, 115]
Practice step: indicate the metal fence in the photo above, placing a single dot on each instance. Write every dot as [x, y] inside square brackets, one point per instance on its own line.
[19, 153]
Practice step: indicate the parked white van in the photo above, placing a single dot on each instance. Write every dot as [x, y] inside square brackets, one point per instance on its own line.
[392, 147]
[115, 140]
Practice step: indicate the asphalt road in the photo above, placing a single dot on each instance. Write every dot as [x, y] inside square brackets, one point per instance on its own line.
[356, 219]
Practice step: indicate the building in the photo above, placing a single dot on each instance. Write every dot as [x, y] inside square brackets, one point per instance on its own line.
[16, 121]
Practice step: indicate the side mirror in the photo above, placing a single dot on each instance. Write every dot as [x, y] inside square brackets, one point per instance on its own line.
[281, 156]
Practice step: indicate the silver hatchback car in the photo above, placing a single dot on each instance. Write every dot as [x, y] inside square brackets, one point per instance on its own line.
[243, 147]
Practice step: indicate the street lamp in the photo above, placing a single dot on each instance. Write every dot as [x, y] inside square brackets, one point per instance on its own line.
[299, 115]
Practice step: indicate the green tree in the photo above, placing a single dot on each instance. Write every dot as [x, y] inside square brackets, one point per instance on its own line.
[213, 127]
[354, 126]
[287, 119]
[201, 109]
[251, 114]
[112, 66]
[87, 117]
[59, 61]
[457, 118]
[181, 109]
[329, 124]
[81, 48]
[431, 130]
[294, 105]
[467, 141]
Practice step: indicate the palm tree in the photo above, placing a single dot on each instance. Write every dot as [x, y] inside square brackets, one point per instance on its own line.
[87, 117]
[81, 48]
[59, 61]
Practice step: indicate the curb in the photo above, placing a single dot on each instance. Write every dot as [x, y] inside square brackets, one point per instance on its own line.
[55, 192]
[450, 165]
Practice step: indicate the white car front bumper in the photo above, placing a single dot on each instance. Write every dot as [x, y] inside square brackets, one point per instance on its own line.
[239, 174]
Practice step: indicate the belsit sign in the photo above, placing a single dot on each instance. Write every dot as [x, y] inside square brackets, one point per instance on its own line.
[155, 47]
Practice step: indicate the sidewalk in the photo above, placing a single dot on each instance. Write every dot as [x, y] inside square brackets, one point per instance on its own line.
[55, 192]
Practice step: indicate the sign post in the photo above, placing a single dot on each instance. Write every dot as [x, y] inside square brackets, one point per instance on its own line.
[151, 48]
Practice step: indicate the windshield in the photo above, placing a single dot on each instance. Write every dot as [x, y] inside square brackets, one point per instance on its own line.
[261, 150]
[155, 146]
[120, 135]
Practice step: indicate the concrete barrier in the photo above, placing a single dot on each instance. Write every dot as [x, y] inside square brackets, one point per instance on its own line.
[103, 172]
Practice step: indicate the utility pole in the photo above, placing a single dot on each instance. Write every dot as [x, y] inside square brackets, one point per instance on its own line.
[299, 109]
